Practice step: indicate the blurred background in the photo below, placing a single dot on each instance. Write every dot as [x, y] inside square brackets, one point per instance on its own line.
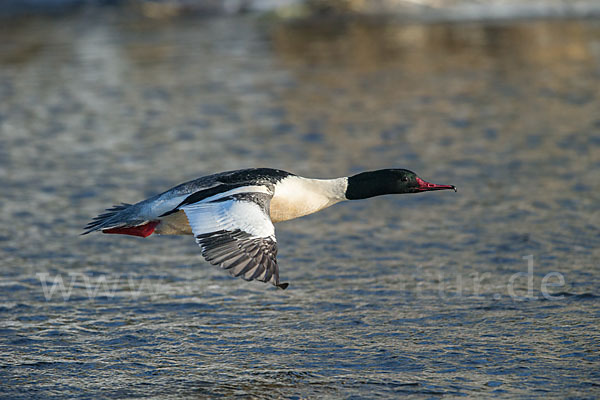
[493, 290]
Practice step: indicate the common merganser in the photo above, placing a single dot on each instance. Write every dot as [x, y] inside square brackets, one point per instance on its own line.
[231, 214]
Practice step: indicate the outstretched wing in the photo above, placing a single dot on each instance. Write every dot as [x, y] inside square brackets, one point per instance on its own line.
[236, 233]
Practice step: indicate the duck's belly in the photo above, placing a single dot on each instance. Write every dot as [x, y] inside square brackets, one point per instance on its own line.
[174, 224]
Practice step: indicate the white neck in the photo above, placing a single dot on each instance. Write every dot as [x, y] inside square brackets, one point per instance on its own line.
[296, 196]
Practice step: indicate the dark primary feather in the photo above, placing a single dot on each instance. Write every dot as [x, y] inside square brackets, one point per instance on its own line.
[242, 255]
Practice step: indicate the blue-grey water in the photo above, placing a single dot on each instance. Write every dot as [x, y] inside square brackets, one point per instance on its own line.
[491, 291]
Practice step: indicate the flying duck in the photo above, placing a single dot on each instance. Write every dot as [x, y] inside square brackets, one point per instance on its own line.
[231, 214]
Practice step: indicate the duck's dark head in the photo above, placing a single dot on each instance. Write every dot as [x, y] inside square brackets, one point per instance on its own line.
[388, 181]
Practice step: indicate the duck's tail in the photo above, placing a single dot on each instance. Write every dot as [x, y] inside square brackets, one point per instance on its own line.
[110, 219]
[123, 219]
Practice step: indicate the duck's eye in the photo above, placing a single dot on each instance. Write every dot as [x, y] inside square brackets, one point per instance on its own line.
[404, 179]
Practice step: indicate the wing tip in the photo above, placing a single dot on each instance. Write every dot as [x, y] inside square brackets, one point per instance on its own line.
[282, 286]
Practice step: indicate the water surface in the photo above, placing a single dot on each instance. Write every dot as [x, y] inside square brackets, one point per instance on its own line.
[489, 291]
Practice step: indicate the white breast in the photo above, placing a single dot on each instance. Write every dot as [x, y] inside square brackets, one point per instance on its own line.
[295, 196]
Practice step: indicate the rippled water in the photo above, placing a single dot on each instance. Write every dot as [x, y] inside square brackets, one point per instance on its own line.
[493, 290]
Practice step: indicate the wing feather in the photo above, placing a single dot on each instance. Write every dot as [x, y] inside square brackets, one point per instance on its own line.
[236, 233]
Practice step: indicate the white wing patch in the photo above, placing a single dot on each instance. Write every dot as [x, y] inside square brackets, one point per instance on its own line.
[229, 215]
[236, 233]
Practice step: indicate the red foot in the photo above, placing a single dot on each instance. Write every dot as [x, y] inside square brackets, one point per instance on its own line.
[140, 230]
